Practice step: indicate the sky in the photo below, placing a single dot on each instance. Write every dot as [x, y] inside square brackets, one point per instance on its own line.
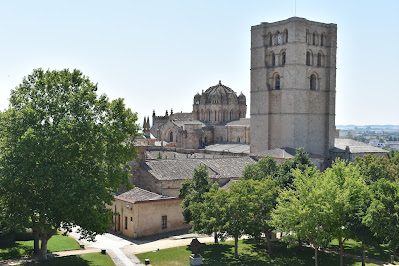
[158, 54]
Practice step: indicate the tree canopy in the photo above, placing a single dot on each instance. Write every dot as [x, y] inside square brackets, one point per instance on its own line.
[63, 150]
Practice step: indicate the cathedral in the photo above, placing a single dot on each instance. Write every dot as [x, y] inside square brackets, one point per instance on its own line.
[293, 87]
[293, 80]
[218, 116]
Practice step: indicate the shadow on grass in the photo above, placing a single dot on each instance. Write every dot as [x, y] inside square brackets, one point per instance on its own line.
[252, 254]
[14, 250]
[67, 261]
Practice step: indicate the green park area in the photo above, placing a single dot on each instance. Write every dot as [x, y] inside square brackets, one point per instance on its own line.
[58, 242]
[20, 249]
[252, 254]
[96, 259]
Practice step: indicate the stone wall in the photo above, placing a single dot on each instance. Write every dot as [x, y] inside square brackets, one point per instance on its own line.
[293, 115]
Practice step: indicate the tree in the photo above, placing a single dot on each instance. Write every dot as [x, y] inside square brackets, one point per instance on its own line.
[348, 203]
[63, 151]
[192, 191]
[373, 168]
[383, 214]
[263, 169]
[261, 200]
[209, 215]
[305, 210]
[300, 161]
[236, 211]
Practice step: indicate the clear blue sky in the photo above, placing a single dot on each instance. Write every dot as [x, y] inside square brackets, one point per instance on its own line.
[158, 54]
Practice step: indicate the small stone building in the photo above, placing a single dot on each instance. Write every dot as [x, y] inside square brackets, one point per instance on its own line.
[142, 213]
[166, 176]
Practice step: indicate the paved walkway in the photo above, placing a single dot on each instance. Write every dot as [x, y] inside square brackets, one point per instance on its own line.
[112, 244]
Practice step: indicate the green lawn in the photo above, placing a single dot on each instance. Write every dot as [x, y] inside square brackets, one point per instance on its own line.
[250, 254]
[25, 248]
[379, 252]
[97, 259]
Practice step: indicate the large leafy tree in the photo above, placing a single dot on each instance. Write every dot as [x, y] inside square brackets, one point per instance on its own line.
[261, 200]
[63, 150]
[382, 216]
[305, 211]
[348, 203]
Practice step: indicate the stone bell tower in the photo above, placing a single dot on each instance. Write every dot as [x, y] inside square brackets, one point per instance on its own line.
[293, 79]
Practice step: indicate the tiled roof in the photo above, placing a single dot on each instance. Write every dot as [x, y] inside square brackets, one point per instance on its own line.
[229, 183]
[240, 122]
[137, 194]
[182, 169]
[181, 116]
[282, 153]
[355, 147]
[229, 147]
[180, 123]
[153, 155]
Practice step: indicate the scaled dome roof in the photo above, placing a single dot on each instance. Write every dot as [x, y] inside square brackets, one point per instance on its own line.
[219, 89]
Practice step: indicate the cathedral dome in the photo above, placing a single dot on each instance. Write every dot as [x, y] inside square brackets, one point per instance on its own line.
[219, 91]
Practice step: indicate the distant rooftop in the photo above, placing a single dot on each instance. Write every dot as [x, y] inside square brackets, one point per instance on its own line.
[355, 147]
[181, 169]
[229, 147]
[137, 195]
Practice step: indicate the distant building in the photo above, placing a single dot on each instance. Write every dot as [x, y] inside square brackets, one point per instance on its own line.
[218, 116]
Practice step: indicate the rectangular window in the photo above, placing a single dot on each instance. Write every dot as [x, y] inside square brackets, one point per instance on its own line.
[126, 222]
[164, 222]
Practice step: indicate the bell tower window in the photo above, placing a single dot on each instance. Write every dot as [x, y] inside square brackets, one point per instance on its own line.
[313, 82]
[283, 58]
[277, 82]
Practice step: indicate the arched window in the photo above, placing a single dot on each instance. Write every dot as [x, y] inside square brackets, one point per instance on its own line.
[314, 38]
[215, 116]
[322, 40]
[202, 115]
[273, 57]
[313, 82]
[277, 82]
[171, 136]
[286, 36]
[238, 139]
[224, 116]
[308, 58]
[239, 114]
[319, 59]
[270, 39]
[209, 115]
[283, 58]
[278, 38]
[307, 37]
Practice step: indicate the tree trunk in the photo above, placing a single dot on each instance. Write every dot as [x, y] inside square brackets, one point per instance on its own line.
[268, 242]
[395, 255]
[315, 255]
[36, 248]
[45, 238]
[363, 254]
[216, 237]
[43, 249]
[236, 247]
[300, 246]
[341, 252]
